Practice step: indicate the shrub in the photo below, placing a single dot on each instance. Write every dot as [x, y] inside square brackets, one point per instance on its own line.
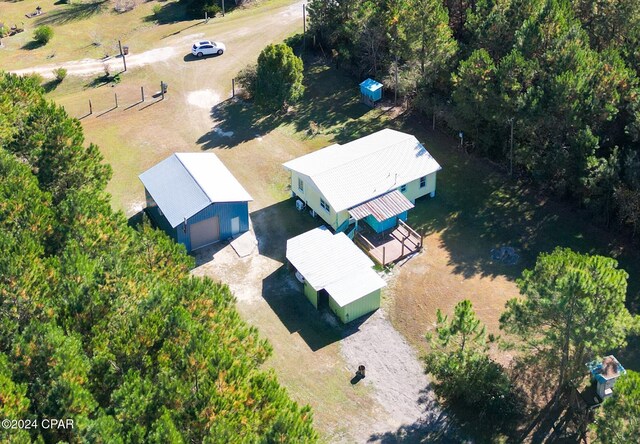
[60, 74]
[43, 34]
[157, 9]
[3, 31]
[37, 78]
[246, 78]
[279, 77]
[212, 10]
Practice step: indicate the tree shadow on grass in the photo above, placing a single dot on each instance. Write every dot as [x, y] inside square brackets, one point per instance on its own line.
[73, 12]
[51, 85]
[170, 13]
[330, 105]
[33, 44]
[244, 119]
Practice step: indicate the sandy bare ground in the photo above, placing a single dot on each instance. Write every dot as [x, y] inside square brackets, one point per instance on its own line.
[89, 67]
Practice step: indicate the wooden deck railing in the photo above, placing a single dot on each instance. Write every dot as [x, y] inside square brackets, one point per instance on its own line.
[369, 248]
[412, 231]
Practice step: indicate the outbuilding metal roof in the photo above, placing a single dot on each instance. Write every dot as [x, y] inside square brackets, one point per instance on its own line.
[382, 207]
[348, 175]
[371, 85]
[352, 287]
[334, 263]
[185, 183]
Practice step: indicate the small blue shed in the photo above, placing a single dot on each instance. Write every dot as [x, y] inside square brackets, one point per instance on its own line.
[370, 91]
[196, 199]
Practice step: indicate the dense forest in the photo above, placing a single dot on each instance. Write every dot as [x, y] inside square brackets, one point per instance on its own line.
[102, 323]
[560, 75]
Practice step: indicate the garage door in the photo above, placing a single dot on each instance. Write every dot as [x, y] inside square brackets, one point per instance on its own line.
[204, 232]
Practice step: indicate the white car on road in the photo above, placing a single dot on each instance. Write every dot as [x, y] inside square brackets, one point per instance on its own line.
[206, 47]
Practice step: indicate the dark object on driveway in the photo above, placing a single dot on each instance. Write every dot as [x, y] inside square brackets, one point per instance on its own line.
[359, 375]
[125, 50]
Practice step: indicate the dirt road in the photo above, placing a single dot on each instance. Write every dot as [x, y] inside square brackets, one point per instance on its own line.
[175, 50]
[89, 67]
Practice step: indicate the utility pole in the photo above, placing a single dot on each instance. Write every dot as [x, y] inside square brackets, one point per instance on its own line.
[124, 61]
[395, 93]
[304, 26]
[511, 149]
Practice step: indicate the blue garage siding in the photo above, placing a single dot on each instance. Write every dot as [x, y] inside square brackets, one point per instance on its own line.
[158, 219]
[379, 227]
[225, 212]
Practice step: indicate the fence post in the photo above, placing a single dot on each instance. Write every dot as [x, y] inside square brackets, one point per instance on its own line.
[142, 92]
[116, 94]
[233, 88]
[90, 107]
[162, 89]
[383, 255]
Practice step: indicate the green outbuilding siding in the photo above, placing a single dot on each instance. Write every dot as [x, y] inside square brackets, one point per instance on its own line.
[357, 308]
[311, 294]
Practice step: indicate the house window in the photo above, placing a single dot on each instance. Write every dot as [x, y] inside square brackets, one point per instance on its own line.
[300, 184]
[423, 181]
[403, 188]
[325, 206]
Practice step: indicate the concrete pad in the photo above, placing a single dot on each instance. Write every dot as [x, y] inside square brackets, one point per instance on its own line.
[245, 244]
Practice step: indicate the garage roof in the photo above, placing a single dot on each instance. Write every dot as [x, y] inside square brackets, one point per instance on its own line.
[353, 173]
[334, 263]
[185, 183]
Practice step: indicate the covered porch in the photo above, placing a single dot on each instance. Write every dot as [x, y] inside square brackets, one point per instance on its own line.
[384, 235]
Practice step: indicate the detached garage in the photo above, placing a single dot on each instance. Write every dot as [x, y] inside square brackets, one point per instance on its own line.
[337, 274]
[196, 199]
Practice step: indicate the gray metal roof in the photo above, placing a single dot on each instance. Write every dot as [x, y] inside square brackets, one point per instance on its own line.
[185, 183]
[382, 207]
[350, 174]
[334, 263]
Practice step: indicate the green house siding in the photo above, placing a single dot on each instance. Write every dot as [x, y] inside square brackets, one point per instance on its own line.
[311, 294]
[357, 308]
[310, 195]
[414, 191]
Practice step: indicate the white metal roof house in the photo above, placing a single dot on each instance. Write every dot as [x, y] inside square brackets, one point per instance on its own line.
[376, 178]
[336, 273]
[196, 199]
